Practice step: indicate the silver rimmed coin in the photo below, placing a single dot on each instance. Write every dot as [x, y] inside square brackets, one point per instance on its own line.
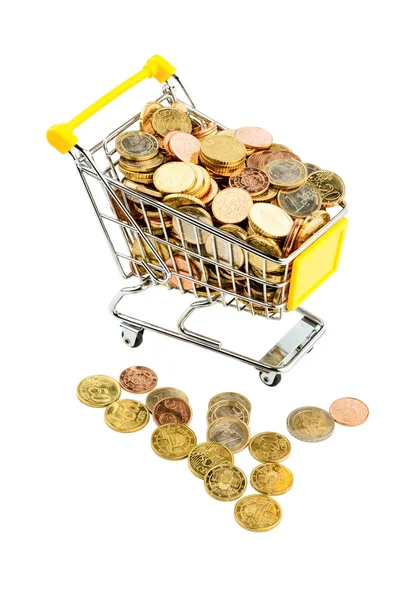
[310, 424]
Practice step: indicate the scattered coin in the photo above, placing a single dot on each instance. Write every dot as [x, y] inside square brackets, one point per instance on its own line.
[228, 408]
[230, 396]
[138, 380]
[229, 431]
[160, 393]
[271, 478]
[310, 424]
[349, 411]
[269, 447]
[173, 441]
[126, 416]
[257, 512]
[172, 410]
[98, 391]
[206, 455]
[225, 482]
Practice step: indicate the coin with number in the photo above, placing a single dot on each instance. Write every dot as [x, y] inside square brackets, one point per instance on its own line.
[271, 478]
[165, 120]
[286, 173]
[206, 455]
[269, 447]
[229, 431]
[230, 396]
[301, 202]
[228, 408]
[173, 441]
[126, 416]
[225, 482]
[269, 220]
[330, 186]
[160, 393]
[136, 145]
[138, 380]
[174, 177]
[257, 512]
[310, 424]
[172, 410]
[98, 391]
[349, 411]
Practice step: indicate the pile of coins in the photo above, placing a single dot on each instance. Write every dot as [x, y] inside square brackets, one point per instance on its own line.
[237, 180]
[228, 433]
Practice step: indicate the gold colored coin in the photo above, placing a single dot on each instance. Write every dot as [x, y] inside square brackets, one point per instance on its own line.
[229, 132]
[148, 111]
[310, 424]
[180, 106]
[330, 186]
[311, 168]
[232, 205]
[126, 416]
[278, 148]
[235, 230]
[191, 233]
[269, 447]
[161, 393]
[286, 173]
[179, 200]
[311, 225]
[257, 513]
[98, 391]
[269, 220]
[229, 431]
[171, 119]
[228, 408]
[267, 245]
[174, 177]
[137, 187]
[225, 482]
[230, 396]
[143, 166]
[223, 149]
[267, 197]
[136, 145]
[271, 478]
[173, 441]
[207, 455]
[224, 252]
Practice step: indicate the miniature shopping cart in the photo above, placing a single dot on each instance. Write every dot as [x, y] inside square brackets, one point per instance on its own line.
[127, 219]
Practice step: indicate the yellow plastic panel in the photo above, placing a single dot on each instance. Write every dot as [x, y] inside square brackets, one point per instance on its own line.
[316, 264]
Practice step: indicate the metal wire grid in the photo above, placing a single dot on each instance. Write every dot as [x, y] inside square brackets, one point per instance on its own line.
[135, 214]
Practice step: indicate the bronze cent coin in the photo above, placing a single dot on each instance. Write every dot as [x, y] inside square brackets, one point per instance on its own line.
[184, 268]
[254, 137]
[232, 205]
[185, 147]
[349, 411]
[172, 410]
[160, 393]
[138, 380]
[254, 181]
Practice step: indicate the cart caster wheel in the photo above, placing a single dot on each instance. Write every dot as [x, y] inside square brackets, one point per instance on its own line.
[270, 379]
[132, 339]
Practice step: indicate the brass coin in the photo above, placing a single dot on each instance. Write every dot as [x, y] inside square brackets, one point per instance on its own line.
[192, 233]
[229, 431]
[98, 391]
[172, 410]
[225, 482]
[160, 393]
[136, 145]
[271, 478]
[278, 148]
[142, 166]
[257, 513]
[311, 168]
[180, 106]
[223, 149]
[137, 187]
[232, 205]
[230, 132]
[228, 408]
[165, 120]
[286, 173]
[269, 447]
[311, 225]
[148, 111]
[230, 396]
[330, 186]
[310, 424]
[173, 441]
[207, 455]
[267, 245]
[300, 203]
[224, 252]
[174, 177]
[212, 192]
[234, 230]
[269, 220]
[126, 416]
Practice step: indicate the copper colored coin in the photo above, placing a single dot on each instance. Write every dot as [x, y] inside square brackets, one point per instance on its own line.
[172, 410]
[291, 237]
[167, 140]
[138, 380]
[254, 137]
[252, 180]
[212, 192]
[185, 147]
[349, 411]
[181, 267]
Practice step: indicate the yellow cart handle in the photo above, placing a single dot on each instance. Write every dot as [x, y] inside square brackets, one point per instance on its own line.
[62, 136]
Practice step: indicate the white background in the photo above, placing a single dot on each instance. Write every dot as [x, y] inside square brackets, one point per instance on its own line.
[90, 513]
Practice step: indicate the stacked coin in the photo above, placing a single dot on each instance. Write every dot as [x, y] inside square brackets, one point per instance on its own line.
[228, 418]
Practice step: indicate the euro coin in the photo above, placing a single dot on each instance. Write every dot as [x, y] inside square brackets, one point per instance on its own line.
[228, 408]
[225, 482]
[174, 177]
[143, 165]
[271, 478]
[136, 145]
[234, 230]
[138, 187]
[232, 205]
[329, 185]
[172, 410]
[225, 253]
[310, 424]
[286, 173]
[186, 269]
[173, 441]
[165, 120]
[257, 513]
[138, 380]
[292, 237]
[311, 225]
[229, 431]
[349, 411]
[269, 447]
[270, 247]
[300, 203]
[254, 181]
[98, 391]
[270, 220]
[207, 455]
[146, 115]
[126, 416]
[223, 149]
[189, 232]
[254, 137]
[311, 168]
[185, 147]
[160, 393]
[230, 396]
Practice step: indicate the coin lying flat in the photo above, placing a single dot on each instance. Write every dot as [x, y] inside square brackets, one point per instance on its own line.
[228, 408]
[269, 220]
[173, 441]
[269, 447]
[136, 145]
[174, 177]
[330, 186]
[225, 482]
[311, 168]
[257, 513]
[126, 416]
[98, 391]
[254, 137]
[232, 205]
[230, 396]
[271, 478]
[138, 380]
[172, 410]
[185, 147]
[286, 173]
[349, 411]
[310, 424]
[301, 202]
[206, 455]
[229, 431]
[160, 393]
[252, 180]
